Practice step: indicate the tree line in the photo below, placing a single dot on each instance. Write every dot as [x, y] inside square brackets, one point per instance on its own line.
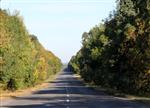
[116, 53]
[24, 62]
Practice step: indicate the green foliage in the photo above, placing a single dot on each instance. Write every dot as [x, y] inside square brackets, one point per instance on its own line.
[116, 54]
[23, 60]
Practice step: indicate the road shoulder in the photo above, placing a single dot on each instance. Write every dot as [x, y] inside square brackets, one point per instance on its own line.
[144, 100]
[5, 95]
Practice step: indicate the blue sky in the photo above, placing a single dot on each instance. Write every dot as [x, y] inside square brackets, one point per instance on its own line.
[59, 24]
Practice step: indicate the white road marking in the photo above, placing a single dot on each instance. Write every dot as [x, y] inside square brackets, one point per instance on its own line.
[67, 100]
[68, 95]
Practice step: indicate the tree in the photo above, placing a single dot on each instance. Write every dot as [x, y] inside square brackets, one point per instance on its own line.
[24, 61]
[116, 54]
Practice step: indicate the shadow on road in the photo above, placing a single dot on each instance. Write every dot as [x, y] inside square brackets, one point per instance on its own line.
[80, 96]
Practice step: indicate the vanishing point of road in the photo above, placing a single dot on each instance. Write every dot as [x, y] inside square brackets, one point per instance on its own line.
[68, 92]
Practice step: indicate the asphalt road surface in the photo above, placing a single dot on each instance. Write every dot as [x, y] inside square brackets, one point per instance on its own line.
[68, 92]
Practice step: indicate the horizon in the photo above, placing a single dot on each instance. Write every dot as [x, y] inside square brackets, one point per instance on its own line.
[59, 25]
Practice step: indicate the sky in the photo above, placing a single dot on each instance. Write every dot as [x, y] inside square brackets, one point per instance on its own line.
[59, 24]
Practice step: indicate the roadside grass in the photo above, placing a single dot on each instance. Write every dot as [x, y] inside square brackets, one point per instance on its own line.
[6, 94]
[109, 91]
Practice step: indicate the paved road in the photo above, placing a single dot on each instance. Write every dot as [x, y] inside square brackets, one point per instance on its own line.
[68, 92]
